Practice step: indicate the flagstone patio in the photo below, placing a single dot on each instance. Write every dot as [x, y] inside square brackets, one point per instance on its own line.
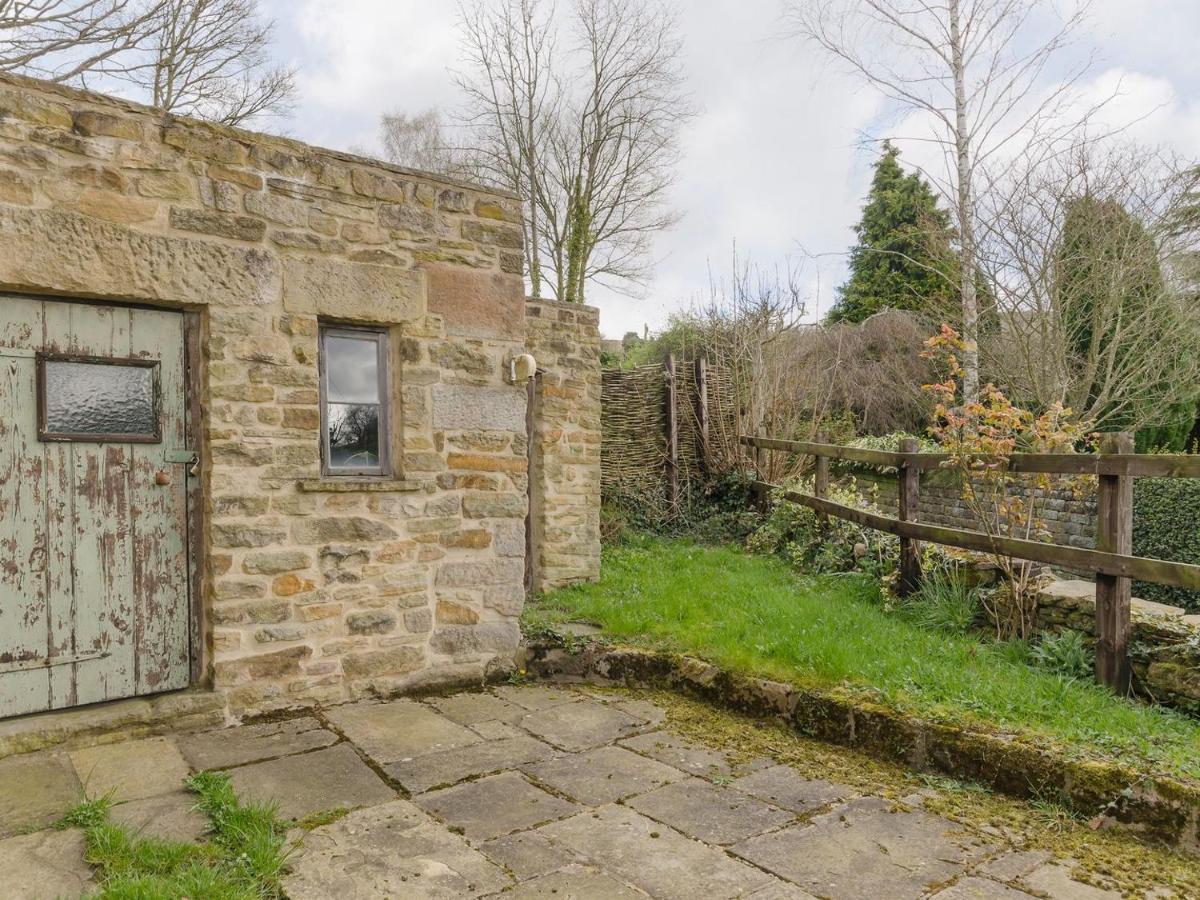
[517, 792]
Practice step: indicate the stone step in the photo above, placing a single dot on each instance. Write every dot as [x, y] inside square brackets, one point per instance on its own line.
[1085, 591]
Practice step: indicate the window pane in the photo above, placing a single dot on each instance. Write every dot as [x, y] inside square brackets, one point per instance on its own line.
[353, 435]
[99, 398]
[351, 370]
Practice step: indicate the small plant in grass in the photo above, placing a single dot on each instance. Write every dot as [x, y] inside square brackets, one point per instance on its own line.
[243, 858]
[979, 437]
[1066, 654]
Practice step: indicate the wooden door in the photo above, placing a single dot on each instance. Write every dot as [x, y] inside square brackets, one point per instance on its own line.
[93, 504]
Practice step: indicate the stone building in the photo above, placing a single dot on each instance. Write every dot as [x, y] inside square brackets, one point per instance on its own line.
[259, 435]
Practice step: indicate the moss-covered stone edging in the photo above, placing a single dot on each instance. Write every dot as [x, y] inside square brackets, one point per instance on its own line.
[1157, 807]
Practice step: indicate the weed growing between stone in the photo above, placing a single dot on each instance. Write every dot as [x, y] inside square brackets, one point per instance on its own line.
[243, 858]
[1111, 859]
[753, 615]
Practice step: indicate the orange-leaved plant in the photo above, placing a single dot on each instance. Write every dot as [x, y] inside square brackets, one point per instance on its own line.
[979, 437]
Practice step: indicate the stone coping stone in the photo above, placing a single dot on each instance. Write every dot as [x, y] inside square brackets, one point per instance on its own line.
[117, 720]
[1156, 806]
[1085, 592]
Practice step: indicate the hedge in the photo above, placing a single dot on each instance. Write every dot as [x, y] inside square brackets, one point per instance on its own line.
[1166, 525]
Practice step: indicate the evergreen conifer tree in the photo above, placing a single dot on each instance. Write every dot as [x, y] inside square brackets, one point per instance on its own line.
[904, 258]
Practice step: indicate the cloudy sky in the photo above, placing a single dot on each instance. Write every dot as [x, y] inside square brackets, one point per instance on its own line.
[774, 162]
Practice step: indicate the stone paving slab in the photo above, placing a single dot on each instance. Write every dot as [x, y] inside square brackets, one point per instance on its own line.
[131, 770]
[980, 889]
[710, 813]
[471, 709]
[680, 753]
[313, 782]
[499, 804]
[391, 850]
[1054, 880]
[452, 766]
[603, 775]
[536, 696]
[864, 849]
[527, 854]
[781, 890]
[573, 883]
[399, 729]
[785, 787]
[171, 817]
[228, 747]
[35, 790]
[581, 725]
[655, 858]
[44, 865]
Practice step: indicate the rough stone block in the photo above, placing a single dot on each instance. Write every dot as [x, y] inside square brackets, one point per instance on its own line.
[357, 291]
[477, 304]
[465, 408]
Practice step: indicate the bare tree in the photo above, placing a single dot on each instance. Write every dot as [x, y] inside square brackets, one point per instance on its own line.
[974, 70]
[588, 137]
[211, 59]
[418, 141]
[65, 40]
[511, 102]
[1082, 250]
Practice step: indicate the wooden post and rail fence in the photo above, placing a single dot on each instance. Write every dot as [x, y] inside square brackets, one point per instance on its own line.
[1111, 562]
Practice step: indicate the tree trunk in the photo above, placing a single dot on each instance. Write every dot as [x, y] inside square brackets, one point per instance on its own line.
[966, 214]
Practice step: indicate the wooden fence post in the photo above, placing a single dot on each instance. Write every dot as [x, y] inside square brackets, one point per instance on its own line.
[909, 484]
[672, 438]
[1114, 534]
[821, 480]
[702, 413]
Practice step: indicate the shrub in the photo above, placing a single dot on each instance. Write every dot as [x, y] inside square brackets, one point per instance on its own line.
[1166, 525]
[1066, 654]
[719, 510]
[797, 534]
[945, 602]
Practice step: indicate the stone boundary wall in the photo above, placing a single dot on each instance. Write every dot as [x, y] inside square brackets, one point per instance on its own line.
[565, 449]
[312, 592]
[1069, 519]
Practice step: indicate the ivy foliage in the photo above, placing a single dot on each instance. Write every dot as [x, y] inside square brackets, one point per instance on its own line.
[1166, 525]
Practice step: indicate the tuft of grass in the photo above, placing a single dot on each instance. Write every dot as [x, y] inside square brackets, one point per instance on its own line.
[753, 615]
[1066, 654]
[242, 860]
[944, 603]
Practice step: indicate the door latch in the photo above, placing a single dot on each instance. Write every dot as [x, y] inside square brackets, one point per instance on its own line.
[189, 458]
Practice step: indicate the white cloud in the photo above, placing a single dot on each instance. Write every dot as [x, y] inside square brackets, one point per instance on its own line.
[772, 162]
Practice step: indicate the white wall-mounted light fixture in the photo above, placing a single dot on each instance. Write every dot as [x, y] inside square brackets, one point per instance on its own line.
[522, 368]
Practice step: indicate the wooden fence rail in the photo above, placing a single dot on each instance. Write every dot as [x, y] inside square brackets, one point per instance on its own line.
[1112, 561]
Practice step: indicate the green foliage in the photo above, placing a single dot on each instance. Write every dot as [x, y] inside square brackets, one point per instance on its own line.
[798, 535]
[1166, 525]
[242, 860]
[1174, 435]
[716, 511]
[756, 616]
[944, 603]
[1066, 654]
[903, 258]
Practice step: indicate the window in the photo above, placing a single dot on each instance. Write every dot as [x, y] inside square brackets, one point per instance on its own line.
[88, 398]
[354, 395]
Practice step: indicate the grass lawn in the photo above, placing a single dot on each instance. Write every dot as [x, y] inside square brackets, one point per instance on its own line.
[753, 615]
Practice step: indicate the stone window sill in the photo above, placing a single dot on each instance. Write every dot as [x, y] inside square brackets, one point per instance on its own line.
[358, 485]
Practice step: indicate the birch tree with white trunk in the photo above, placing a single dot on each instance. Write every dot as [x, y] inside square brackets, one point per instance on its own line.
[982, 76]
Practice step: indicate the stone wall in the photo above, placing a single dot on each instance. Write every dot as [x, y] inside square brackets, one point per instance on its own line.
[1069, 519]
[314, 589]
[565, 458]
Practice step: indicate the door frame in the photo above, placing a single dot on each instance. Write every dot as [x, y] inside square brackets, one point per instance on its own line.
[199, 653]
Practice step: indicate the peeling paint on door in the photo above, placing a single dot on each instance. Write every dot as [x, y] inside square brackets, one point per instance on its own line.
[93, 547]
